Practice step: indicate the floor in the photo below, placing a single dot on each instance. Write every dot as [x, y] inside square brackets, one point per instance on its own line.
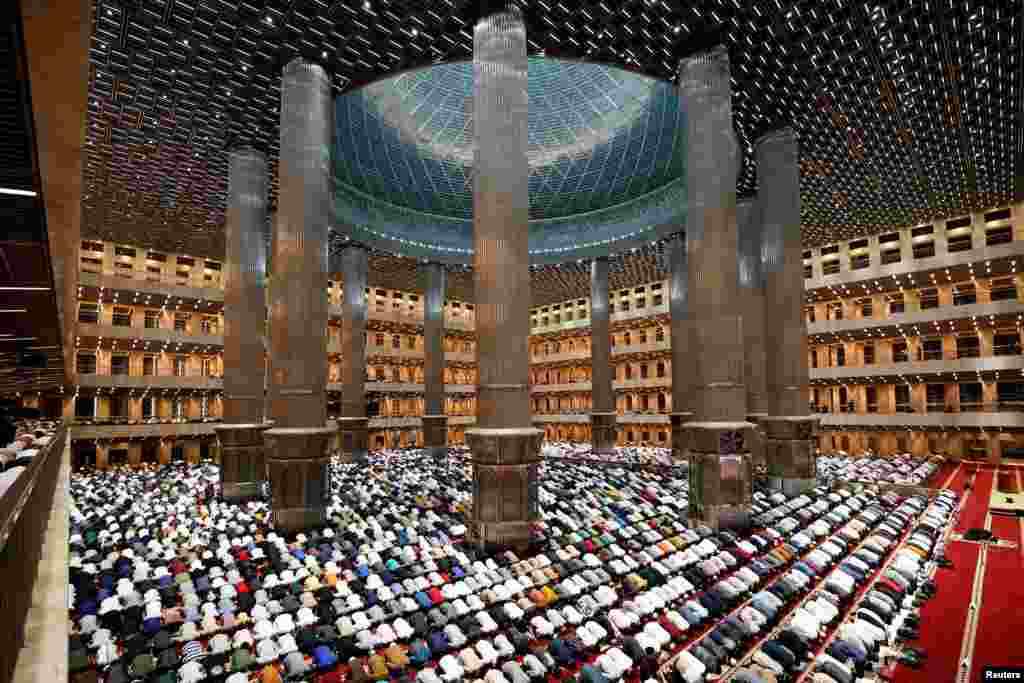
[44, 658]
[974, 596]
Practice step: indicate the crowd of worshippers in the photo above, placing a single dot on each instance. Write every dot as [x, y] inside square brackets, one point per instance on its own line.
[170, 584]
[24, 439]
[904, 469]
[621, 455]
[872, 571]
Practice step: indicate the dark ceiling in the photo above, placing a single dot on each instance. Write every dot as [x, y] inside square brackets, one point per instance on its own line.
[30, 333]
[906, 111]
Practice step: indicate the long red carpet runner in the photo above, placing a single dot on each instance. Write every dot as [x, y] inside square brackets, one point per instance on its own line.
[973, 514]
[1001, 622]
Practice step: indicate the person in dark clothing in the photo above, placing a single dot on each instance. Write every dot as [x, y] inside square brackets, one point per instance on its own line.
[8, 430]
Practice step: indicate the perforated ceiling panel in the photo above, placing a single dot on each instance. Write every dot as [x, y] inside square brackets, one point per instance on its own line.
[907, 110]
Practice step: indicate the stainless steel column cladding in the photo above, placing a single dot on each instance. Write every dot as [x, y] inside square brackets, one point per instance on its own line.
[789, 430]
[505, 446]
[241, 435]
[719, 439]
[602, 409]
[679, 338]
[353, 423]
[435, 422]
[297, 455]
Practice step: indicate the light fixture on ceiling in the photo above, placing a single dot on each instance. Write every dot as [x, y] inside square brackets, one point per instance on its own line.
[15, 191]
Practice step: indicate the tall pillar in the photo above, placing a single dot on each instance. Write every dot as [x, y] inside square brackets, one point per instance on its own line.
[789, 430]
[297, 445]
[679, 338]
[504, 445]
[719, 438]
[602, 408]
[353, 423]
[435, 421]
[242, 467]
[751, 283]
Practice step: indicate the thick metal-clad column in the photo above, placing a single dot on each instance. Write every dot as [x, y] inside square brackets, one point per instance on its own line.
[242, 467]
[751, 282]
[719, 438]
[353, 425]
[679, 338]
[297, 445]
[789, 431]
[602, 405]
[505, 446]
[435, 422]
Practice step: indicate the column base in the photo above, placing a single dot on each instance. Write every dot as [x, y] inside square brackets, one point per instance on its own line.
[603, 433]
[435, 436]
[505, 482]
[721, 473]
[679, 434]
[757, 447]
[789, 444]
[354, 436]
[298, 469]
[792, 487]
[728, 517]
[243, 468]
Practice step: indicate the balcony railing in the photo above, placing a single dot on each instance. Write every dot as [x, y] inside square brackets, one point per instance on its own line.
[1006, 350]
[1004, 294]
[125, 420]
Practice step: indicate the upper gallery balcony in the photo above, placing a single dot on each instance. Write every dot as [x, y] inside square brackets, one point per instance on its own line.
[581, 351]
[936, 246]
[106, 428]
[898, 322]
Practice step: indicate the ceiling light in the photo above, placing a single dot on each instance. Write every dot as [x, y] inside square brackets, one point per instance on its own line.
[20, 193]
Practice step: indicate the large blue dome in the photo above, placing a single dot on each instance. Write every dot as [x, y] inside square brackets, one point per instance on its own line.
[606, 154]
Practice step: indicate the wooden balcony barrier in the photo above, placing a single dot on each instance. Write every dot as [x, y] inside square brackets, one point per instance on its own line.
[24, 511]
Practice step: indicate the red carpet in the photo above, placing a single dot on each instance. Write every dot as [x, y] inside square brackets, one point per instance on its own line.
[973, 514]
[959, 479]
[1001, 622]
[941, 474]
[943, 618]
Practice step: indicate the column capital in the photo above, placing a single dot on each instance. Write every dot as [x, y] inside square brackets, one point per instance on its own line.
[300, 66]
[246, 150]
[706, 71]
[786, 134]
